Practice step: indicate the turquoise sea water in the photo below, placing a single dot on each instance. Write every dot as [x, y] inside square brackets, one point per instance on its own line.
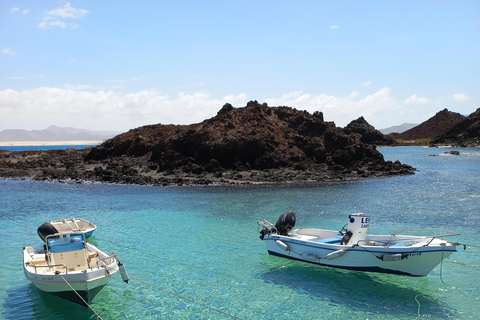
[201, 243]
[44, 148]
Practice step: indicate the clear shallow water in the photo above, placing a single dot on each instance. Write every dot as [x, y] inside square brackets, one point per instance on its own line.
[202, 243]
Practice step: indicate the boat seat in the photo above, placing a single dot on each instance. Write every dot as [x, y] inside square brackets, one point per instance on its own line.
[398, 244]
[390, 244]
[330, 240]
[38, 262]
[308, 238]
[93, 254]
[73, 260]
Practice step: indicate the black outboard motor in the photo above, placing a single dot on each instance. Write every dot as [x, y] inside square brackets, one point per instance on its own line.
[45, 230]
[285, 223]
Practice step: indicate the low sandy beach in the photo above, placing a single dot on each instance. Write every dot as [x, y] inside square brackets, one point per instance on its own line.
[47, 143]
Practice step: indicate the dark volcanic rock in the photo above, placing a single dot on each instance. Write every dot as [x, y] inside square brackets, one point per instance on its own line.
[464, 133]
[436, 126]
[255, 144]
[368, 133]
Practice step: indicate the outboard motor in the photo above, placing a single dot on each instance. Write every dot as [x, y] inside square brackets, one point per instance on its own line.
[285, 223]
[45, 230]
[357, 230]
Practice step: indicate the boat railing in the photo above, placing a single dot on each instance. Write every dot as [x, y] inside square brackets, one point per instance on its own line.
[51, 266]
[265, 224]
[441, 236]
[102, 260]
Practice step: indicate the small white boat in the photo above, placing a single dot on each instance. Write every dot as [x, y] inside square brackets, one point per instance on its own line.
[76, 225]
[354, 248]
[69, 266]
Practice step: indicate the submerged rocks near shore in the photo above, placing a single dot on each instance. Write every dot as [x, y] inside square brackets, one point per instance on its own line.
[254, 144]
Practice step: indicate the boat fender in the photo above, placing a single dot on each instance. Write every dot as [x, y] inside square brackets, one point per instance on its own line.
[393, 257]
[309, 256]
[123, 271]
[346, 237]
[335, 254]
[282, 245]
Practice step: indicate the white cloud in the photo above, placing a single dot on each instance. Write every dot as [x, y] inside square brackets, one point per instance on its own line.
[30, 76]
[80, 106]
[367, 83]
[342, 110]
[38, 108]
[68, 12]
[415, 100]
[16, 9]
[334, 27]
[9, 52]
[57, 17]
[78, 87]
[460, 97]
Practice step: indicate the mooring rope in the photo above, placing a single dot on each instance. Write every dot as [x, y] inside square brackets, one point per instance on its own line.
[182, 297]
[441, 264]
[465, 245]
[172, 293]
[100, 318]
[418, 310]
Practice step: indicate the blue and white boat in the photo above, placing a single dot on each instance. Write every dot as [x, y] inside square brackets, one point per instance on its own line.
[75, 225]
[354, 248]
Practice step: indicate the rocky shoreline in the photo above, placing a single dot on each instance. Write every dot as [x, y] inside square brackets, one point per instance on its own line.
[256, 144]
[69, 166]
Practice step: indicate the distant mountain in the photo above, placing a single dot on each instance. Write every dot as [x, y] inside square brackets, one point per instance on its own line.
[54, 133]
[398, 129]
[434, 127]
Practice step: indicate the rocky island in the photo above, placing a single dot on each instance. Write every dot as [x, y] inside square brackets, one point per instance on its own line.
[253, 144]
[445, 128]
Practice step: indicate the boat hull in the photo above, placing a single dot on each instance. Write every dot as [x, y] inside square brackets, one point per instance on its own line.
[412, 261]
[83, 292]
[76, 225]
[71, 285]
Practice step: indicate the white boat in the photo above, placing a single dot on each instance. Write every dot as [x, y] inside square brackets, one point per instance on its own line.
[354, 248]
[70, 267]
[76, 225]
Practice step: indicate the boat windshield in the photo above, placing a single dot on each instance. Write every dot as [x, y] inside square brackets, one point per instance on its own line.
[74, 242]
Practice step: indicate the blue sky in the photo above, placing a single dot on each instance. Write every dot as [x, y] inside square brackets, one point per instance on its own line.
[117, 65]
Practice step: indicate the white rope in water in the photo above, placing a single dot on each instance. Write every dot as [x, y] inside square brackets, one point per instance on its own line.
[441, 264]
[418, 310]
[184, 298]
[100, 318]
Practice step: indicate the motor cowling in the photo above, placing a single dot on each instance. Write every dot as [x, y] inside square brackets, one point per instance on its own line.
[45, 230]
[285, 223]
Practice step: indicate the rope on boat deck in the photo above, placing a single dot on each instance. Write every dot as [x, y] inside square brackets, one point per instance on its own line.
[181, 297]
[100, 318]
